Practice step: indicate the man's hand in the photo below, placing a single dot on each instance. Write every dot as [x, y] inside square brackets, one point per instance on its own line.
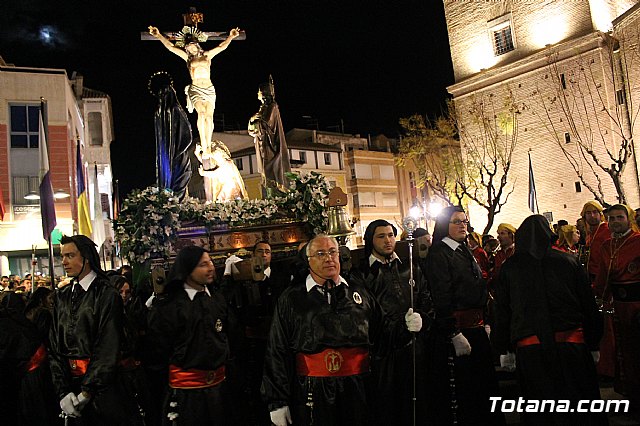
[461, 344]
[413, 320]
[508, 361]
[228, 264]
[234, 33]
[83, 399]
[68, 405]
[154, 31]
[281, 416]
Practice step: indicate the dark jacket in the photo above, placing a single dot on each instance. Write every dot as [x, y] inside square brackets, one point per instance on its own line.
[456, 283]
[91, 330]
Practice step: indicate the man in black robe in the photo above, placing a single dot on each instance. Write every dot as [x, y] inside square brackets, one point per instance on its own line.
[461, 372]
[318, 350]
[253, 297]
[187, 335]
[387, 278]
[546, 311]
[85, 339]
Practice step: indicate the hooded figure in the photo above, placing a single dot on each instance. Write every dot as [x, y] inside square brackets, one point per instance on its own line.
[85, 339]
[546, 313]
[388, 278]
[462, 376]
[87, 249]
[188, 339]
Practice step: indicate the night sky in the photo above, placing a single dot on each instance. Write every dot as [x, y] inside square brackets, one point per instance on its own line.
[365, 62]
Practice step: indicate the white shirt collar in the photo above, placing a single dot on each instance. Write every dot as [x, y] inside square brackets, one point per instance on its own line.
[311, 283]
[191, 292]
[267, 272]
[451, 243]
[373, 259]
[85, 283]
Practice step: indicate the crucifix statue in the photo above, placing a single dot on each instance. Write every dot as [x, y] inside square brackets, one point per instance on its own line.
[201, 95]
[222, 180]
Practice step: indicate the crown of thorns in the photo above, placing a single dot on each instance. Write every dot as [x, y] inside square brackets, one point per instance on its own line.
[189, 35]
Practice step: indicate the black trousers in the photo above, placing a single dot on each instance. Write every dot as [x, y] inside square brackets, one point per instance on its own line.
[197, 407]
[572, 378]
[336, 401]
[469, 382]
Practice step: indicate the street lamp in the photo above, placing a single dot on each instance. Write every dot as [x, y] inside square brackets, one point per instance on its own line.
[32, 195]
[60, 194]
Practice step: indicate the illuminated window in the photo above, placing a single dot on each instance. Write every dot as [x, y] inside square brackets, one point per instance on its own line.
[501, 33]
[303, 157]
[327, 159]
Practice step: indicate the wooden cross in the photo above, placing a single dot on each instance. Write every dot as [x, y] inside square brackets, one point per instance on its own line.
[192, 19]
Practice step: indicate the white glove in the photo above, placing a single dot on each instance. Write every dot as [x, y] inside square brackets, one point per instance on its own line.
[68, 405]
[228, 264]
[82, 401]
[596, 356]
[487, 328]
[413, 320]
[281, 416]
[461, 344]
[508, 362]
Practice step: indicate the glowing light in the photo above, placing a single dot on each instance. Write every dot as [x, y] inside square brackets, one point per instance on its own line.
[480, 55]
[435, 209]
[548, 29]
[601, 15]
[415, 212]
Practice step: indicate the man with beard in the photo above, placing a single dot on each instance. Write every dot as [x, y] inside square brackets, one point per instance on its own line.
[461, 377]
[318, 350]
[544, 308]
[85, 339]
[188, 336]
[619, 277]
[254, 298]
[387, 278]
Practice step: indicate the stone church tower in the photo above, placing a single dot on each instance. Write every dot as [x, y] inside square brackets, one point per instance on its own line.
[567, 66]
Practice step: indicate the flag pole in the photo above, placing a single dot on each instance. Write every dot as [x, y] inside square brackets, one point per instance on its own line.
[45, 124]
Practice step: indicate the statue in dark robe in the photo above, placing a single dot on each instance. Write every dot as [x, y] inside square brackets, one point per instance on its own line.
[271, 146]
[173, 137]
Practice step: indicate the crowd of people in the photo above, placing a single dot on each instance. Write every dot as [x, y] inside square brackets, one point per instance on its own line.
[322, 340]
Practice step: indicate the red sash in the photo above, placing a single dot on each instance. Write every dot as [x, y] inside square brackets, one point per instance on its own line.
[333, 362]
[569, 336]
[37, 359]
[469, 318]
[195, 379]
[79, 366]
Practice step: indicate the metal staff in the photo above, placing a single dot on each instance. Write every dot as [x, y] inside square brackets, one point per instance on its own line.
[410, 225]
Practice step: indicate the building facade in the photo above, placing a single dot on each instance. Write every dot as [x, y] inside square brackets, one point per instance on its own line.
[69, 124]
[558, 64]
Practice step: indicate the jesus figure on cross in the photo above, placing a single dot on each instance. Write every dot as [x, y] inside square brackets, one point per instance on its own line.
[201, 95]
